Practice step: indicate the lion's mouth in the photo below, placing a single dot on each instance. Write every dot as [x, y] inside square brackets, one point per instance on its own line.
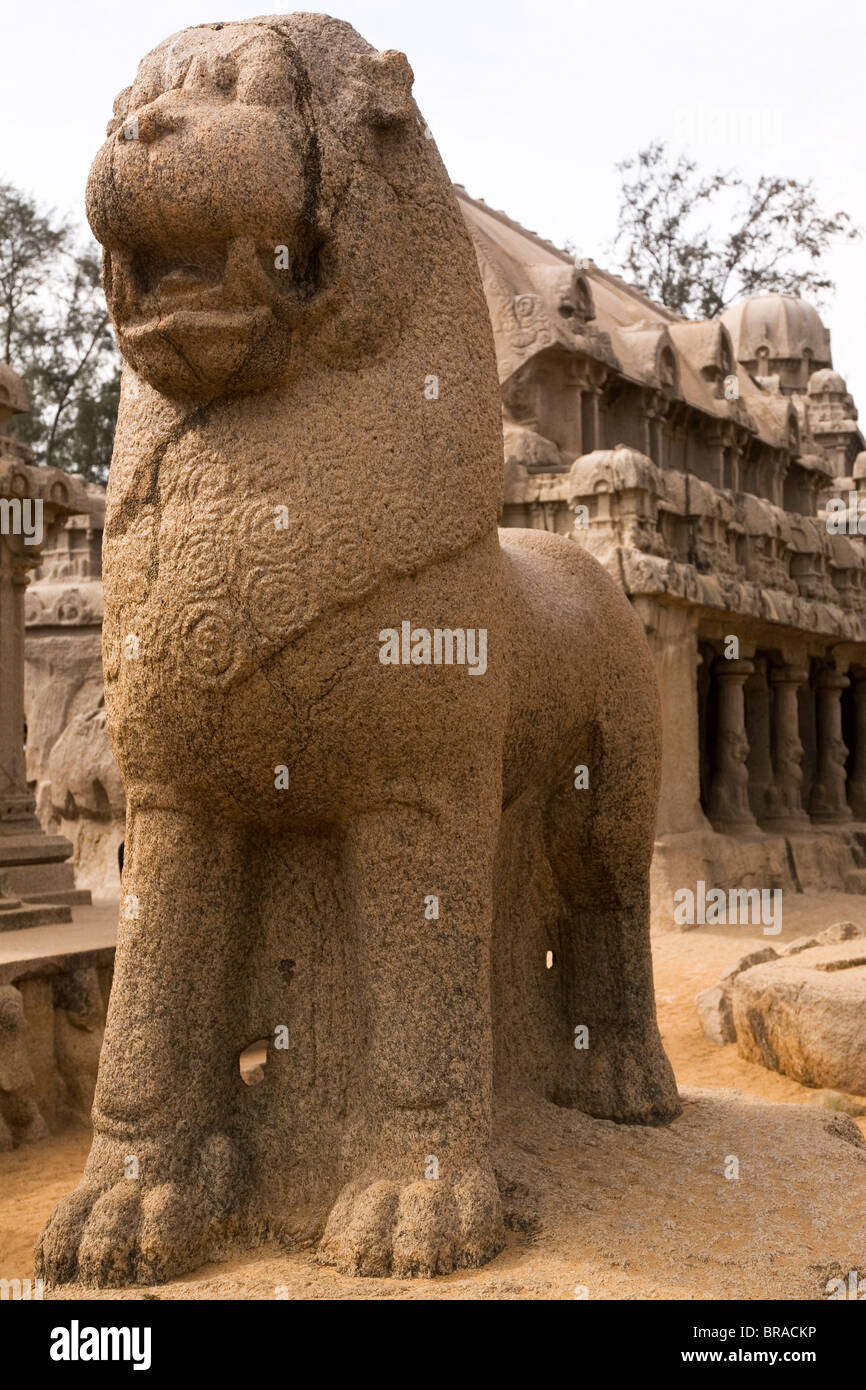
[189, 287]
[231, 287]
[210, 315]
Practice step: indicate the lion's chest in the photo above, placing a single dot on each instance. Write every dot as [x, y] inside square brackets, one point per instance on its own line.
[219, 561]
[206, 592]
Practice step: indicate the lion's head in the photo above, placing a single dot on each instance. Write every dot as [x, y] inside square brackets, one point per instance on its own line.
[254, 198]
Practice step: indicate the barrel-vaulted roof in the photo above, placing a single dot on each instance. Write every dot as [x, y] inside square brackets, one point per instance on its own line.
[540, 298]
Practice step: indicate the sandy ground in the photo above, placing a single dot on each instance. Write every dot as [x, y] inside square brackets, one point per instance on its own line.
[600, 1210]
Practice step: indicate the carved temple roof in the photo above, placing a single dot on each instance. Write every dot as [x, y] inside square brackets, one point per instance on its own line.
[540, 299]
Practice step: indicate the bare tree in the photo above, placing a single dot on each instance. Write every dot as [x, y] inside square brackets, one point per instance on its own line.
[772, 241]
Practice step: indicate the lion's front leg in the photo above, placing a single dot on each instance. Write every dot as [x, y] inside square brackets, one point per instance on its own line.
[423, 1198]
[157, 1191]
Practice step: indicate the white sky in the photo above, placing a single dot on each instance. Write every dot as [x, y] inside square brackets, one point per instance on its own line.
[532, 102]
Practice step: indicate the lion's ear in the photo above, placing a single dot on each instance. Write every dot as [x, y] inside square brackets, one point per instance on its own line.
[387, 80]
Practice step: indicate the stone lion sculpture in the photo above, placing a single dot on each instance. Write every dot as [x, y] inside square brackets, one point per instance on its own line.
[347, 833]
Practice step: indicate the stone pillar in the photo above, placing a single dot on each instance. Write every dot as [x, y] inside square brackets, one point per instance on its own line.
[15, 800]
[542, 516]
[673, 639]
[857, 784]
[597, 441]
[655, 407]
[828, 802]
[648, 435]
[18, 822]
[36, 883]
[762, 790]
[729, 808]
[661, 440]
[13, 787]
[578, 420]
[788, 813]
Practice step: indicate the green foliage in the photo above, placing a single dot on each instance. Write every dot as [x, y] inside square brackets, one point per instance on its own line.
[770, 239]
[54, 330]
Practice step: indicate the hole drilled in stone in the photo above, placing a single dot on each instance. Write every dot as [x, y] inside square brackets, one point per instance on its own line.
[252, 1062]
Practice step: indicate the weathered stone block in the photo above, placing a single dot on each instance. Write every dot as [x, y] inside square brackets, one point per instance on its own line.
[714, 1011]
[805, 1015]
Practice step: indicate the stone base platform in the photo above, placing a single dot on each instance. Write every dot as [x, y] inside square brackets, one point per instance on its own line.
[54, 984]
[22, 912]
[821, 858]
[37, 879]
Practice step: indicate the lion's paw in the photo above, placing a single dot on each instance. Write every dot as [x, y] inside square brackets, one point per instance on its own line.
[131, 1232]
[629, 1079]
[419, 1229]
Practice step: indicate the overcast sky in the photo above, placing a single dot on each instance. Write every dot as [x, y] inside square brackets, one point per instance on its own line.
[532, 102]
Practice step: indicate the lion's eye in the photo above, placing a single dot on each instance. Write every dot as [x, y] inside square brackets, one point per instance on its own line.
[266, 86]
[144, 90]
[265, 76]
[223, 72]
[209, 74]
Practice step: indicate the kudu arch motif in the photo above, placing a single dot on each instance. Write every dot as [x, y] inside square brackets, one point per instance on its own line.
[252, 392]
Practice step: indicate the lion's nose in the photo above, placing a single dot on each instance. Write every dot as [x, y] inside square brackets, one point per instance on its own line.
[150, 123]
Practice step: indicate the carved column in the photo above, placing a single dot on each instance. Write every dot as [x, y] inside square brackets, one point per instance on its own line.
[655, 405]
[716, 442]
[37, 882]
[542, 516]
[828, 802]
[762, 791]
[654, 434]
[595, 414]
[648, 430]
[578, 420]
[729, 808]
[788, 813]
[857, 784]
[11, 704]
[671, 631]
[17, 806]
[15, 800]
